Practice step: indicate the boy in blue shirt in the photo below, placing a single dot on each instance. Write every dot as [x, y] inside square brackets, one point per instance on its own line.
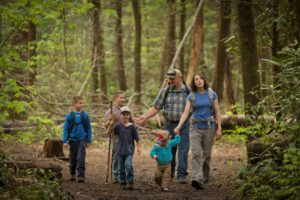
[77, 134]
[162, 153]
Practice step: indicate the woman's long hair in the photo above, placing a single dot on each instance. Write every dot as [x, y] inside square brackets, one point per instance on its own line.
[193, 85]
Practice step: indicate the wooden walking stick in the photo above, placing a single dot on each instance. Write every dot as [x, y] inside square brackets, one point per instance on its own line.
[109, 144]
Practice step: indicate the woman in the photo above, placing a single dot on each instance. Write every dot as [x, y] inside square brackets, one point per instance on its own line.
[205, 125]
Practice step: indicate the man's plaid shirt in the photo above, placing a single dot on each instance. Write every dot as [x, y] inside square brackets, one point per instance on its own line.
[174, 104]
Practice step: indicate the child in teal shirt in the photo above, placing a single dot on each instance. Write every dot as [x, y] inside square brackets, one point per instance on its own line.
[162, 153]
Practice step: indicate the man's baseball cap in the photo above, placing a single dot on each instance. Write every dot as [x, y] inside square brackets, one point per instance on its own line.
[173, 73]
[125, 109]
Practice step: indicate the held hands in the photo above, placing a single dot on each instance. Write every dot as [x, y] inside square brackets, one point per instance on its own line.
[140, 120]
[155, 157]
[177, 130]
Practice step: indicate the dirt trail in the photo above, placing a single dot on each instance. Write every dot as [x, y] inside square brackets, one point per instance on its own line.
[226, 160]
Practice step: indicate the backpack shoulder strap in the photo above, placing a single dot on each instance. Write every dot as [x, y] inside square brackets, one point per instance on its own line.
[211, 98]
[187, 89]
[72, 124]
[193, 99]
[166, 95]
[83, 120]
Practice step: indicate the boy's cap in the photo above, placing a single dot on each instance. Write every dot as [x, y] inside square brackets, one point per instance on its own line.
[173, 73]
[125, 109]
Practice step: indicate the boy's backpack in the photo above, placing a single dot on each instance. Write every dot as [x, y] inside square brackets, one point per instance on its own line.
[187, 90]
[73, 122]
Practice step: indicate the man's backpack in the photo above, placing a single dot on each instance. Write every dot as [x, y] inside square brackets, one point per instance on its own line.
[169, 88]
[73, 122]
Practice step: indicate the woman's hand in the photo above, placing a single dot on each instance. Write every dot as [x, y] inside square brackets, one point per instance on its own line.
[177, 130]
[218, 133]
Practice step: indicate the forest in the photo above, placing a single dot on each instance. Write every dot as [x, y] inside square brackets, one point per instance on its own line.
[248, 50]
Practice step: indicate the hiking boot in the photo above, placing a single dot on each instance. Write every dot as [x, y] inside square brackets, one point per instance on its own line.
[198, 185]
[123, 186]
[130, 186]
[115, 180]
[80, 179]
[182, 180]
[73, 178]
[164, 189]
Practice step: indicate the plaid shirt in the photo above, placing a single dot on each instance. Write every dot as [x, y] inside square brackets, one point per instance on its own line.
[174, 104]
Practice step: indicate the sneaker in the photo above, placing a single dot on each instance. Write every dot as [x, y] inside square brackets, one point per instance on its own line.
[164, 189]
[197, 185]
[182, 180]
[80, 179]
[73, 178]
[123, 185]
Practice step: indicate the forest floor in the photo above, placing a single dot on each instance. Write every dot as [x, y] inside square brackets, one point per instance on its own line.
[226, 161]
[227, 158]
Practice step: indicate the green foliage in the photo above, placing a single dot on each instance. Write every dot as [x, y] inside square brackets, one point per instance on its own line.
[31, 184]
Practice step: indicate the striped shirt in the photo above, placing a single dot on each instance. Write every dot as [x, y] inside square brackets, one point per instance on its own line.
[174, 104]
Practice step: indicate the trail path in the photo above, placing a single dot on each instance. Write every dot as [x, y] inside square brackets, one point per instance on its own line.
[226, 161]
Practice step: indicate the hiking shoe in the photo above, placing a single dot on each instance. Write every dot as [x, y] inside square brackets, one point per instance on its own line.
[197, 185]
[130, 186]
[164, 189]
[182, 180]
[123, 185]
[80, 179]
[73, 178]
[115, 180]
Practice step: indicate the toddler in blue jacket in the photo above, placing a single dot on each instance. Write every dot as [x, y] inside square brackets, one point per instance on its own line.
[162, 153]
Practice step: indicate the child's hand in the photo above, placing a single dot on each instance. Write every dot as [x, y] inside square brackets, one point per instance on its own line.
[176, 130]
[155, 157]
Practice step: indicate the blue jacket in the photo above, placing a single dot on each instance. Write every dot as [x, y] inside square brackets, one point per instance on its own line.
[78, 132]
[164, 152]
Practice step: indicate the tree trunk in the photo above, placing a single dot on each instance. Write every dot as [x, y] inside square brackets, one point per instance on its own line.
[265, 54]
[276, 48]
[32, 50]
[119, 46]
[224, 31]
[297, 15]
[98, 56]
[249, 58]
[137, 49]
[53, 148]
[229, 92]
[68, 70]
[170, 40]
[197, 45]
[181, 34]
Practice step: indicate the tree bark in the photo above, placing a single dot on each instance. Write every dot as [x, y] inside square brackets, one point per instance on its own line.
[68, 70]
[119, 46]
[98, 57]
[137, 49]
[229, 92]
[170, 40]
[249, 58]
[224, 31]
[181, 34]
[197, 45]
[297, 15]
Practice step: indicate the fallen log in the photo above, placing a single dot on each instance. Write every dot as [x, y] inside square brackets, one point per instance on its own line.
[46, 165]
[260, 146]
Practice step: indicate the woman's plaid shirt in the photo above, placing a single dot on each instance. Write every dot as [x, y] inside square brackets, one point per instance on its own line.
[174, 104]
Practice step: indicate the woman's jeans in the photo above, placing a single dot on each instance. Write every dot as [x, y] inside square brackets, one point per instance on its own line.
[125, 169]
[183, 149]
[201, 144]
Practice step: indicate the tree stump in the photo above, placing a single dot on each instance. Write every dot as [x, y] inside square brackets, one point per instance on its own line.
[53, 148]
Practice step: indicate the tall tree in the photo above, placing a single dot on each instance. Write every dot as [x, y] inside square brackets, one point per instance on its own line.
[224, 31]
[229, 92]
[249, 58]
[197, 45]
[98, 56]
[297, 15]
[170, 39]
[119, 46]
[181, 34]
[137, 48]
[32, 50]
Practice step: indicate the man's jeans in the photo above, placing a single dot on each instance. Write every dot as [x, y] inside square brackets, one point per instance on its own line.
[126, 169]
[183, 149]
[77, 157]
[201, 142]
